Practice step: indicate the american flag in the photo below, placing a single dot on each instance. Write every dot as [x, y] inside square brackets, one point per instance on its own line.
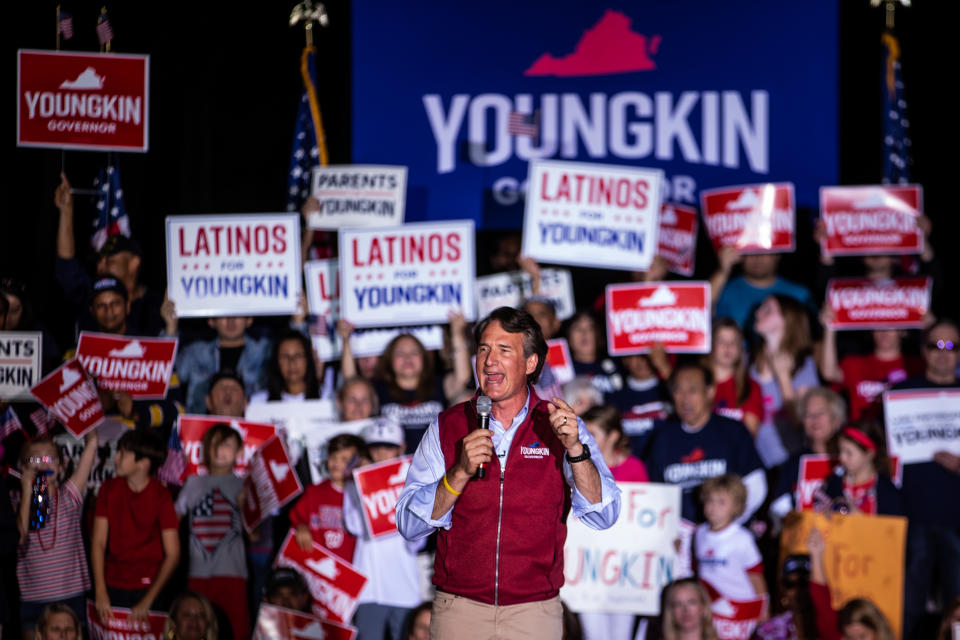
[104, 30]
[212, 520]
[64, 24]
[42, 420]
[522, 124]
[9, 422]
[111, 211]
[896, 126]
[176, 463]
[309, 144]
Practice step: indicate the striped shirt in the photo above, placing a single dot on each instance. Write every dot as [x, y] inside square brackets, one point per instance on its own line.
[51, 563]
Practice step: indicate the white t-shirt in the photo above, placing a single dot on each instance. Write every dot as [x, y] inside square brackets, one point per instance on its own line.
[724, 557]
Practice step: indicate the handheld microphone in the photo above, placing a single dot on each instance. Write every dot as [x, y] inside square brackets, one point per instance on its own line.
[484, 405]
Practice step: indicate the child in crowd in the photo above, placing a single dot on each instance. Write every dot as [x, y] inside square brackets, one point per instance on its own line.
[135, 545]
[51, 564]
[861, 484]
[318, 514]
[218, 564]
[725, 553]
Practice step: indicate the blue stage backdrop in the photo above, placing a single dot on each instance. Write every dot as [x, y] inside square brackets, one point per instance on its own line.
[712, 93]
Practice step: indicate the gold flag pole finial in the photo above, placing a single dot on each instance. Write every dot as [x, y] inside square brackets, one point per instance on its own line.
[309, 12]
[890, 7]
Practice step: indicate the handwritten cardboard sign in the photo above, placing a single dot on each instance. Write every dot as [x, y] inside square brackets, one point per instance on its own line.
[271, 482]
[379, 486]
[678, 237]
[358, 196]
[71, 396]
[334, 583]
[755, 218]
[71, 100]
[20, 363]
[675, 314]
[864, 557]
[624, 568]
[414, 274]
[229, 265]
[139, 366]
[859, 303]
[871, 219]
[592, 215]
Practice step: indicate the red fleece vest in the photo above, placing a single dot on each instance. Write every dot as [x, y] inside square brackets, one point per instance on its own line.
[536, 500]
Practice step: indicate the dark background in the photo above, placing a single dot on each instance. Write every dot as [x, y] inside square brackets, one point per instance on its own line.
[224, 89]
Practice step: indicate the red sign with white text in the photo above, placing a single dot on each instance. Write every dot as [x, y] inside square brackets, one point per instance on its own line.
[139, 366]
[678, 237]
[814, 469]
[859, 303]
[755, 218]
[71, 396]
[271, 482]
[871, 219]
[675, 314]
[122, 627]
[558, 357]
[379, 486]
[736, 619]
[73, 100]
[334, 583]
[191, 429]
[277, 623]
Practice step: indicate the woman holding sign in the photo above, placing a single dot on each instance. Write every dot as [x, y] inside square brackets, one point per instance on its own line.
[292, 372]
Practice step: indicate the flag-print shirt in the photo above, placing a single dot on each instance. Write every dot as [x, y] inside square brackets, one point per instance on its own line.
[216, 531]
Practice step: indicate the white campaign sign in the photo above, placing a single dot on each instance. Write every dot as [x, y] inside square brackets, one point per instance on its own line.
[373, 342]
[323, 287]
[20, 367]
[245, 264]
[358, 196]
[511, 289]
[624, 568]
[921, 422]
[296, 418]
[414, 274]
[592, 215]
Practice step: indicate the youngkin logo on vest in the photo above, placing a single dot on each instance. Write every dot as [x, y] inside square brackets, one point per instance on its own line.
[534, 451]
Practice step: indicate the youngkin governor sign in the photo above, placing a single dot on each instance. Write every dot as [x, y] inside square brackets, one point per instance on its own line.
[713, 94]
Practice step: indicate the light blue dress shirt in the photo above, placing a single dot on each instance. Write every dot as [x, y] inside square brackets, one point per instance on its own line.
[415, 506]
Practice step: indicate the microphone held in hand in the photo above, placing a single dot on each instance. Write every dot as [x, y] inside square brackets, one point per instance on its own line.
[484, 405]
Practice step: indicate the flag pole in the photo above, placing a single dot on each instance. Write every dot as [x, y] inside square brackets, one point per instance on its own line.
[309, 12]
[58, 27]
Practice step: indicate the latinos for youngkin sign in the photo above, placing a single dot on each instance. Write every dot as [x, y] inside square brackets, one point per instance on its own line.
[592, 215]
[414, 274]
[82, 100]
[233, 265]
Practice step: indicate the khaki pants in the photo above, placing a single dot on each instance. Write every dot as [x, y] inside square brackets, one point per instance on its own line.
[459, 618]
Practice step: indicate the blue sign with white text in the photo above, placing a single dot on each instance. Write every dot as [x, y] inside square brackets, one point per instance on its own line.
[715, 94]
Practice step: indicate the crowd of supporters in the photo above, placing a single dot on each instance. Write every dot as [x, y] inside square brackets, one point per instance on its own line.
[729, 427]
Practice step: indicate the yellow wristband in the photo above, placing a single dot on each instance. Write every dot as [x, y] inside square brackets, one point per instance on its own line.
[449, 488]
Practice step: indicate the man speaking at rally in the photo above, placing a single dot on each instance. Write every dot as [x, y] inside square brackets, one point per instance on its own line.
[500, 495]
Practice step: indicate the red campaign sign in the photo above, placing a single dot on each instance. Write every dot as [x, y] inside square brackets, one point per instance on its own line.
[271, 482]
[82, 101]
[379, 486]
[814, 469]
[736, 619]
[121, 627]
[859, 303]
[755, 218]
[558, 357]
[140, 366]
[871, 219]
[334, 583]
[71, 396]
[675, 314]
[191, 429]
[678, 237]
[277, 623]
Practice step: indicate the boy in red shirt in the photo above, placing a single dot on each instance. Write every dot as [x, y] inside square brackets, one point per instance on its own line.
[135, 545]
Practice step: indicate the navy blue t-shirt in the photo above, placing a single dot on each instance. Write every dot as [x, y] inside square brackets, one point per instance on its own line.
[677, 456]
[929, 492]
